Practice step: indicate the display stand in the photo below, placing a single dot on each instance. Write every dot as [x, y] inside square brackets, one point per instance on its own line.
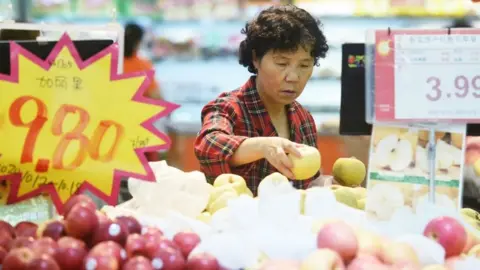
[85, 38]
[407, 65]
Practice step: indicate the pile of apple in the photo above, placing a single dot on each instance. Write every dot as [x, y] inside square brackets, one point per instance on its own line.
[342, 247]
[86, 239]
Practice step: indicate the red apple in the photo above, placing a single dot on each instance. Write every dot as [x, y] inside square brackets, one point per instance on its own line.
[53, 229]
[110, 231]
[44, 245]
[18, 258]
[152, 245]
[26, 228]
[81, 221]
[449, 233]
[3, 253]
[100, 261]
[136, 245]
[111, 248]
[82, 198]
[131, 223]
[168, 259]
[186, 242]
[43, 262]
[202, 261]
[340, 237]
[5, 239]
[151, 231]
[70, 253]
[7, 227]
[21, 242]
[137, 263]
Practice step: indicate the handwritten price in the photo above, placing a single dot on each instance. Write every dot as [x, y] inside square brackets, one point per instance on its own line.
[88, 146]
[462, 86]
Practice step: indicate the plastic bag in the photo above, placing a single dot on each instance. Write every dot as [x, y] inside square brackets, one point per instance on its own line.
[173, 190]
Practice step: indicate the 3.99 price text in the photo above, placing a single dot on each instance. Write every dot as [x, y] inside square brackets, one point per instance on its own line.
[87, 146]
[462, 88]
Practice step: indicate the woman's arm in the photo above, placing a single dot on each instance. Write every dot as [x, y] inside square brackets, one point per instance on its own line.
[216, 143]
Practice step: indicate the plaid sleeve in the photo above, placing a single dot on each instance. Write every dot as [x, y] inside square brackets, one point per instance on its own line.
[216, 143]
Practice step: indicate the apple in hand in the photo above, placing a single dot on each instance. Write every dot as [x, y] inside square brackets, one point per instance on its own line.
[81, 221]
[70, 253]
[308, 165]
[26, 228]
[137, 263]
[131, 223]
[323, 258]
[186, 241]
[168, 259]
[18, 258]
[43, 262]
[44, 245]
[74, 200]
[449, 233]
[202, 261]
[53, 229]
[339, 237]
[110, 231]
[136, 245]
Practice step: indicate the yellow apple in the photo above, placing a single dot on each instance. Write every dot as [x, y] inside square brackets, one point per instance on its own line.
[221, 201]
[360, 192]
[231, 179]
[361, 203]
[349, 171]
[308, 165]
[346, 196]
[218, 191]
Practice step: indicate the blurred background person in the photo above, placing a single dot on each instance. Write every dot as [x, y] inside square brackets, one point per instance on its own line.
[133, 62]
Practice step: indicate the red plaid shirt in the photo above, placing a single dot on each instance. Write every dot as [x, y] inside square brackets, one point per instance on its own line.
[235, 116]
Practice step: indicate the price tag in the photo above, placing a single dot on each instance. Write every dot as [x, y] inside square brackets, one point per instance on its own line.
[427, 75]
[68, 124]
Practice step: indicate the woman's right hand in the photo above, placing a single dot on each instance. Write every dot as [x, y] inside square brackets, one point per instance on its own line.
[275, 150]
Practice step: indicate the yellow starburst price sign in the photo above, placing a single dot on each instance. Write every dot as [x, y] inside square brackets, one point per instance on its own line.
[67, 125]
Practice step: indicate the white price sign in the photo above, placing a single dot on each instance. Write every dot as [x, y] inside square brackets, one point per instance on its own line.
[428, 75]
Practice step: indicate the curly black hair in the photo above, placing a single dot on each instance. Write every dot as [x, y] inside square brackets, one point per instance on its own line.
[283, 28]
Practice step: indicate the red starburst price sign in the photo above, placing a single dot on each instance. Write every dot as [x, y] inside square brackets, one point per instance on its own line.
[427, 76]
[67, 125]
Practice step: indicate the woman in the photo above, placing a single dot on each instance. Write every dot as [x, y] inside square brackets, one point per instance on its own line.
[250, 131]
[133, 63]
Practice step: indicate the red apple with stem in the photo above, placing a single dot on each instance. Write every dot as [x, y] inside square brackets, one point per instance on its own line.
[26, 228]
[131, 223]
[53, 229]
[74, 200]
[449, 233]
[18, 258]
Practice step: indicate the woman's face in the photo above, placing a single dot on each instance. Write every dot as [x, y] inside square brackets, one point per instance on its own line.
[282, 76]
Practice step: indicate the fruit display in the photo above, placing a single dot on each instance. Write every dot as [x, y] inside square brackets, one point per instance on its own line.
[86, 239]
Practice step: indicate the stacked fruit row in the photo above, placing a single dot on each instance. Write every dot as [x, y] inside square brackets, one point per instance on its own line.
[86, 239]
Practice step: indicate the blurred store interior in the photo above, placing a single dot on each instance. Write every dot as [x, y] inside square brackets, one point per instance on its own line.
[193, 44]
